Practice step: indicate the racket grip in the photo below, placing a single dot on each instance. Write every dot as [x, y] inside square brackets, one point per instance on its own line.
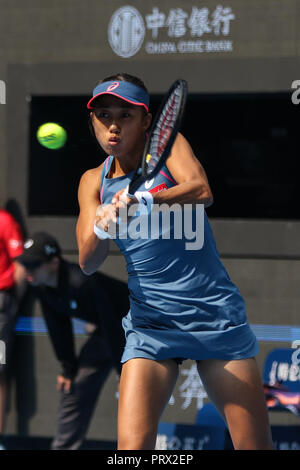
[144, 198]
[125, 194]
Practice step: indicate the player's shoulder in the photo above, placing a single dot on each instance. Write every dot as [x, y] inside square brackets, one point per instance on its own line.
[92, 173]
[181, 139]
[92, 177]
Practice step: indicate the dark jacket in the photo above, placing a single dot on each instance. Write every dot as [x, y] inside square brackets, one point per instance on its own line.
[96, 299]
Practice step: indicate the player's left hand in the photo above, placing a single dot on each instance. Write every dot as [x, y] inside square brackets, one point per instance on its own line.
[122, 200]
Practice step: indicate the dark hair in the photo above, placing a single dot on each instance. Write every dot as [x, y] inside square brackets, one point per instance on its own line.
[121, 77]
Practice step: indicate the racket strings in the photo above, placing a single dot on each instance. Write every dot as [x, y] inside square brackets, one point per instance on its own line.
[164, 126]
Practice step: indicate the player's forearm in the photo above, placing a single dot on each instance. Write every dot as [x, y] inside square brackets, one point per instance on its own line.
[92, 252]
[189, 192]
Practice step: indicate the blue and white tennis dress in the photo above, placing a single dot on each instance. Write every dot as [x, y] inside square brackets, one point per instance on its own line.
[183, 304]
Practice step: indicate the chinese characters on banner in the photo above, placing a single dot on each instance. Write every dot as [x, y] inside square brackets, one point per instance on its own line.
[199, 21]
[285, 371]
[175, 31]
[192, 387]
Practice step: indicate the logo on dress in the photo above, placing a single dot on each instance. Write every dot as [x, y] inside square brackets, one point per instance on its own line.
[113, 86]
[159, 188]
[126, 31]
[149, 183]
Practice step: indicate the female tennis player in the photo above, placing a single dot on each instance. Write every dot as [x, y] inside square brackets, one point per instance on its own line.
[183, 304]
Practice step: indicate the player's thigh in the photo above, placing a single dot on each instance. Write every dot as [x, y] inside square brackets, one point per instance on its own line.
[236, 389]
[145, 389]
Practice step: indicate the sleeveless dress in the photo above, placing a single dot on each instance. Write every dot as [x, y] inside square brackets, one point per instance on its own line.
[183, 305]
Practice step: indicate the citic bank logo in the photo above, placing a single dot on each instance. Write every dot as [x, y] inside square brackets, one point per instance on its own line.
[184, 30]
[126, 31]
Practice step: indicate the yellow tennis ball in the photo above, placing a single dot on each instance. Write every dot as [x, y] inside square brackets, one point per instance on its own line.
[51, 135]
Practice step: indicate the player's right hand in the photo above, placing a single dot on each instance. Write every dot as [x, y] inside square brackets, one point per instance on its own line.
[105, 215]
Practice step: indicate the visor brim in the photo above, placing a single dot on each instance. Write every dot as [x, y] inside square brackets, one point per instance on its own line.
[127, 99]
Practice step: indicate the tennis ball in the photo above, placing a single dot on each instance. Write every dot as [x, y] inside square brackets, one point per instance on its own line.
[51, 135]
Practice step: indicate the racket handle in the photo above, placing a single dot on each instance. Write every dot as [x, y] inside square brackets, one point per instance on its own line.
[125, 194]
[144, 198]
[135, 183]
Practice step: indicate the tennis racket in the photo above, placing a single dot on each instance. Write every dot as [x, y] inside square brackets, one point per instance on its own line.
[162, 135]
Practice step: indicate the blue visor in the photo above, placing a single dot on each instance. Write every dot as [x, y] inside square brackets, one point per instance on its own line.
[125, 90]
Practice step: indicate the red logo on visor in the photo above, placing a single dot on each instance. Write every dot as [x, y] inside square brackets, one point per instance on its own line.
[113, 86]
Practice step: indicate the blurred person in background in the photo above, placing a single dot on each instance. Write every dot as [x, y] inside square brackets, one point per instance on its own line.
[65, 292]
[12, 286]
